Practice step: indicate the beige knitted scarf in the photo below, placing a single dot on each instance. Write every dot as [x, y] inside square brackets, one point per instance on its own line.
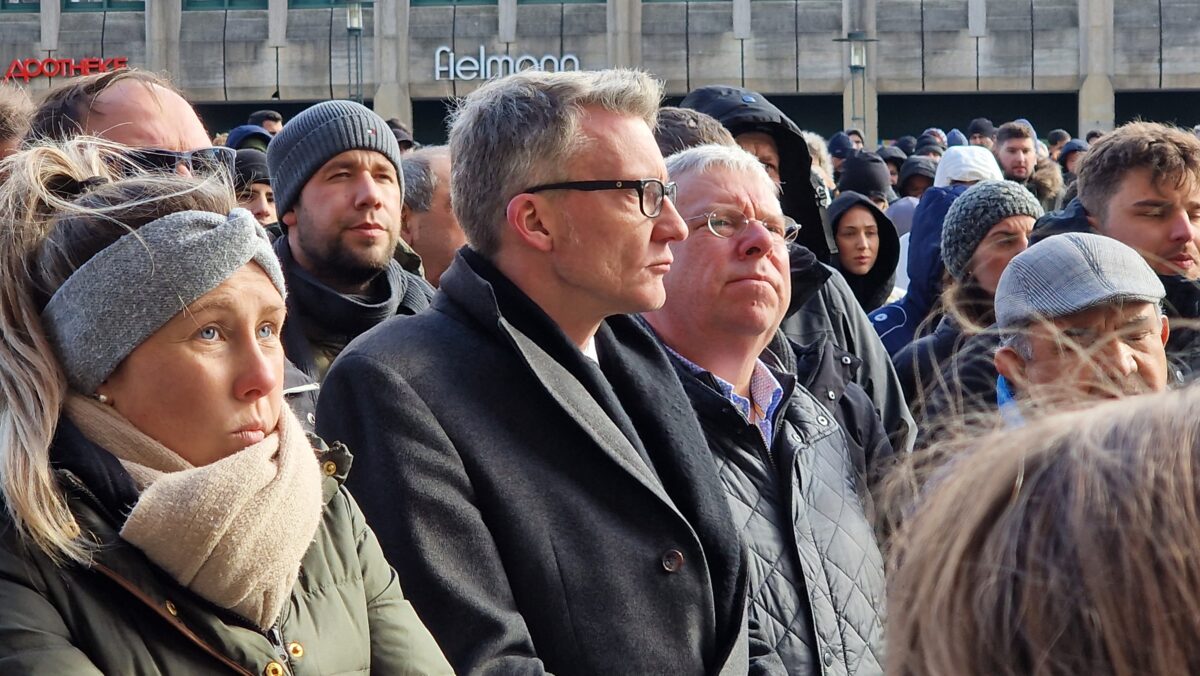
[233, 531]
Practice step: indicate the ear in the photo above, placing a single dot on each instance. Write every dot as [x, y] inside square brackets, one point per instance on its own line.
[533, 221]
[1094, 223]
[1010, 364]
[1166, 329]
[405, 230]
[289, 219]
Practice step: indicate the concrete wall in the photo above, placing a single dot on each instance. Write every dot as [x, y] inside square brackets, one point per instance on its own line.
[922, 45]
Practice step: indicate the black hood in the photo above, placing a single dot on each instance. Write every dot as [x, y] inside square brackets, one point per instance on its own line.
[740, 111]
[872, 289]
[916, 165]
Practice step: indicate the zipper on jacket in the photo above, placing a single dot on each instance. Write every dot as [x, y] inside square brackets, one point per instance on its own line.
[275, 636]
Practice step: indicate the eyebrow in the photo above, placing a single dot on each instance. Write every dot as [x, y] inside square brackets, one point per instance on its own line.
[1141, 318]
[226, 301]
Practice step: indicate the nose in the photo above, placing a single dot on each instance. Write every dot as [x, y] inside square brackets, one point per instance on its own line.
[259, 372]
[367, 195]
[669, 225]
[863, 243]
[755, 240]
[1118, 360]
[1182, 228]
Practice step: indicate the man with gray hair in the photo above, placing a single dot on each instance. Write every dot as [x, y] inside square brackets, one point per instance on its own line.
[1082, 320]
[427, 221]
[793, 436]
[524, 451]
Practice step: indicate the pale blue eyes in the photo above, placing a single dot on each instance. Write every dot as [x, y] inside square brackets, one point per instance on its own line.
[266, 331]
[209, 333]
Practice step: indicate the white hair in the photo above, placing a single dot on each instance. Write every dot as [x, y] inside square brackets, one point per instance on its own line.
[702, 159]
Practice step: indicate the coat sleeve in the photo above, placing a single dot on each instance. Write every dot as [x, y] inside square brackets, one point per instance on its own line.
[400, 643]
[34, 639]
[854, 333]
[415, 492]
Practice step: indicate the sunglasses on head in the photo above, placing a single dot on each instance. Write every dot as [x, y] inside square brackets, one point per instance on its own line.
[199, 162]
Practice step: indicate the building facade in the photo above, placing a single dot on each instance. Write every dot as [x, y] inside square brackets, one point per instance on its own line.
[880, 65]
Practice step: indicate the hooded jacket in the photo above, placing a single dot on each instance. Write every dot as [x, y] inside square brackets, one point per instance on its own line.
[1181, 302]
[872, 289]
[823, 308]
[1070, 148]
[740, 111]
[898, 323]
[915, 165]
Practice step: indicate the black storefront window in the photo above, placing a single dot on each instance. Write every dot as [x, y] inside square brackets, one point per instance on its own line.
[19, 5]
[101, 5]
[224, 4]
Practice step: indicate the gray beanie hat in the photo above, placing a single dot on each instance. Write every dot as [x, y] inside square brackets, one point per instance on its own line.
[319, 133]
[975, 212]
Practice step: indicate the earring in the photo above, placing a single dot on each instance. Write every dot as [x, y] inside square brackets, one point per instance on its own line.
[103, 399]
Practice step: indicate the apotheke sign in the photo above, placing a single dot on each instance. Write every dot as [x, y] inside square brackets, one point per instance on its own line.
[448, 66]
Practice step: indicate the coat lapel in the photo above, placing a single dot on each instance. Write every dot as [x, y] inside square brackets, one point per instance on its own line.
[565, 389]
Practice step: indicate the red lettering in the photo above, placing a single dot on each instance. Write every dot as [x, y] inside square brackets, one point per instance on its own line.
[120, 62]
[33, 67]
[16, 69]
[51, 68]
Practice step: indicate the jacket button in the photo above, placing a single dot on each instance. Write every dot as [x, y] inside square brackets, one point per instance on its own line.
[822, 420]
[846, 360]
[672, 561]
[274, 669]
[831, 395]
[827, 657]
[312, 419]
[172, 609]
[295, 650]
[329, 467]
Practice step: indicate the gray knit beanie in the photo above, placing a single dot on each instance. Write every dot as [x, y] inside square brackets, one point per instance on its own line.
[975, 212]
[319, 133]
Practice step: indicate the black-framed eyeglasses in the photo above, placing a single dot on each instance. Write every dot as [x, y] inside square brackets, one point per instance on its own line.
[731, 224]
[200, 162]
[651, 191]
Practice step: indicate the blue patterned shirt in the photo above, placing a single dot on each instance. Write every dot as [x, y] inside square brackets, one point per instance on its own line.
[765, 395]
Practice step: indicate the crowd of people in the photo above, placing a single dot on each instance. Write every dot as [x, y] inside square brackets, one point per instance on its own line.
[600, 386]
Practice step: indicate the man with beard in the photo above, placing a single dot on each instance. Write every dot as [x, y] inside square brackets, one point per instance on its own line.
[335, 169]
[1016, 151]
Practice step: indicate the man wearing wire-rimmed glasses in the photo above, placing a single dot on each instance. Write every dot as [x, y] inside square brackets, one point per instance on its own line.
[524, 450]
[792, 435]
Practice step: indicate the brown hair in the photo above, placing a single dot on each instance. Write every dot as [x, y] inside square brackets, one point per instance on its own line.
[682, 128]
[1171, 153]
[1012, 130]
[1063, 547]
[63, 112]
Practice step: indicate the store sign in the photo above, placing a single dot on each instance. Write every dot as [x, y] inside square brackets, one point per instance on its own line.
[28, 69]
[448, 66]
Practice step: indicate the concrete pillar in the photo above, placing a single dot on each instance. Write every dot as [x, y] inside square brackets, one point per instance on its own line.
[392, 97]
[164, 21]
[859, 88]
[277, 23]
[50, 13]
[624, 33]
[1097, 100]
[507, 14]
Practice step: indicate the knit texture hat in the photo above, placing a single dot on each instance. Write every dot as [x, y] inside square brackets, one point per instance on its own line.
[250, 167]
[955, 138]
[974, 213]
[982, 126]
[318, 134]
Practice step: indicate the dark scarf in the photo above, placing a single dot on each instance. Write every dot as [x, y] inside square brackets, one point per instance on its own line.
[636, 385]
[319, 314]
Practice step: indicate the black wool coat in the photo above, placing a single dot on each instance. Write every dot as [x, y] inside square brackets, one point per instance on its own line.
[545, 515]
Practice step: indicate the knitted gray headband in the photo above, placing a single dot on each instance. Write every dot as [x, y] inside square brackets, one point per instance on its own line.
[122, 295]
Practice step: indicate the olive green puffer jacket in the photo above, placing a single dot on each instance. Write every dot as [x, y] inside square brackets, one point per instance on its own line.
[123, 615]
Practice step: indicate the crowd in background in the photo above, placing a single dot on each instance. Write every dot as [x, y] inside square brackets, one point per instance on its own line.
[599, 386]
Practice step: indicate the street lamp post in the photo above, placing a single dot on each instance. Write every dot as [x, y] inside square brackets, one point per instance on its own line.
[354, 67]
[858, 75]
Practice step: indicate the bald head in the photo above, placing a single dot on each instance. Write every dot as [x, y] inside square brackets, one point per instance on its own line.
[145, 115]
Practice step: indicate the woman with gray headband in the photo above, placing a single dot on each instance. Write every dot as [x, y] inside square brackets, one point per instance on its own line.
[164, 510]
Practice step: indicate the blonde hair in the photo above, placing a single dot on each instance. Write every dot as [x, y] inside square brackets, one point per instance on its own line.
[1063, 547]
[520, 130]
[62, 204]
